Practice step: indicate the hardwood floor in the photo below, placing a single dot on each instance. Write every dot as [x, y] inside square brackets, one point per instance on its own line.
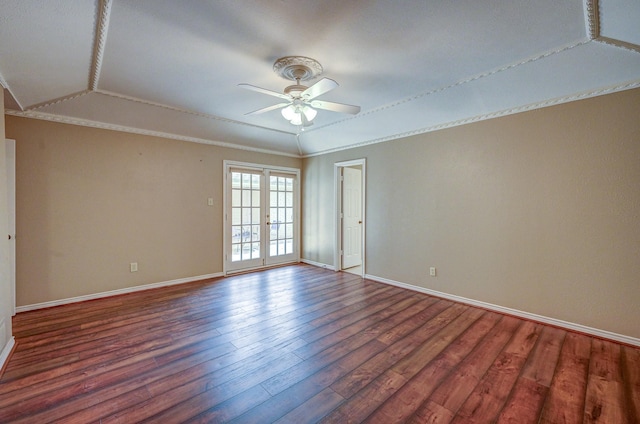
[300, 344]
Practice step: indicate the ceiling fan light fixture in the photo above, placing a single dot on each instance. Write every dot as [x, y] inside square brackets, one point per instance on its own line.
[289, 112]
[309, 112]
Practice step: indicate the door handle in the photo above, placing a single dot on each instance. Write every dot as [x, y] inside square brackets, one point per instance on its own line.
[359, 222]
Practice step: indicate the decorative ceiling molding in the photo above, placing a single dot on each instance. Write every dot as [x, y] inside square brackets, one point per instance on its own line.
[5, 86]
[458, 83]
[101, 125]
[498, 114]
[594, 16]
[619, 43]
[186, 111]
[58, 100]
[102, 26]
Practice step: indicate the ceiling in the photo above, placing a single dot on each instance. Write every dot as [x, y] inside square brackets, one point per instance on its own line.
[172, 69]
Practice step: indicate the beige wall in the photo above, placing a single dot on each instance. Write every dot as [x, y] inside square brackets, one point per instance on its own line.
[91, 201]
[6, 298]
[538, 211]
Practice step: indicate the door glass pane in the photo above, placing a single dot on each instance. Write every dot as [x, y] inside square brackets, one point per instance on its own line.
[245, 216]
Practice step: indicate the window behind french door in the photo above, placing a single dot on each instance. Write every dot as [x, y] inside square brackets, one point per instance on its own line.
[261, 216]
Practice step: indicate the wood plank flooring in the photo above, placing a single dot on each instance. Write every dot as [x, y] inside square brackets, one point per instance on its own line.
[300, 344]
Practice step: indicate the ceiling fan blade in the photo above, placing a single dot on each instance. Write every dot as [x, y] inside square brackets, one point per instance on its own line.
[335, 107]
[305, 121]
[264, 91]
[268, 108]
[319, 88]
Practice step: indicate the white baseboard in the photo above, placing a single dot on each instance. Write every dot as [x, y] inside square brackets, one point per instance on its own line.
[115, 292]
[508, 311]
[4, 355]
[318, 264]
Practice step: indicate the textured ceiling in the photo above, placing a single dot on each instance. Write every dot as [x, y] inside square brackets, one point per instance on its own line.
[172, 68]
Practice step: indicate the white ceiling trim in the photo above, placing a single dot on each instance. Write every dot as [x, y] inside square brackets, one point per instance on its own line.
[101, 125]
[458, 83]
[58, 100]
[5, 86]
[593, 14]
[102, 27]
[619, 43]
[533, 106]
[187, 112]
[592, 17]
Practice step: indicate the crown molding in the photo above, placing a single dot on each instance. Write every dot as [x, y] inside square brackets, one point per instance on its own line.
[58, 100]
[619, 43]
[492, 72]
[102, 26]
[187, 112]
[121, 128]
[593, 17]
[5, 86]
[498, 114]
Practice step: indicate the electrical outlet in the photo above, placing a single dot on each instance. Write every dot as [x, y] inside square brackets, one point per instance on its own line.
[432, 271]
[210, 201]
[133, 266]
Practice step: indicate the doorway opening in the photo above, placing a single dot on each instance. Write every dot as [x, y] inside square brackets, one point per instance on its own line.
[261, 216]
[350, 177]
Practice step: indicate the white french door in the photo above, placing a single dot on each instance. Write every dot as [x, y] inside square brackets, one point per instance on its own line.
[261, 216]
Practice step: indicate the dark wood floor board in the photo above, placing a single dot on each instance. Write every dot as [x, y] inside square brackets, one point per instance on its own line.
[489, 396]
[412, 323]
[347, 355]
[542, 361]
[353, 312]
[455, 390]
[190, 395]
[360, 377]
[404, 402]
[631, 371]
[299, 344]
[605, 400]
[314, 409]
[379, 390]
[288, 395]
[529, 393]
[370, 324]
[565, 401]
[101, 398]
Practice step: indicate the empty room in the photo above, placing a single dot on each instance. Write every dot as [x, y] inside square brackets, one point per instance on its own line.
[320, 211]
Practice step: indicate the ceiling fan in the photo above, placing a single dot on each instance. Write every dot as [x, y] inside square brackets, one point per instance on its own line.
[301, 104]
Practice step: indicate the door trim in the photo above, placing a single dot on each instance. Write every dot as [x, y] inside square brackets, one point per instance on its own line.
[227, 165]
[10, 152]
[337, 257]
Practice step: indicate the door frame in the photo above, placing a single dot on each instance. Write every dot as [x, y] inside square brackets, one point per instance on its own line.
[227, 165]
[10, 158]
[337, 174]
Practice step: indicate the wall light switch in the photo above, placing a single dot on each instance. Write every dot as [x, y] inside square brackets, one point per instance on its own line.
[210, 201]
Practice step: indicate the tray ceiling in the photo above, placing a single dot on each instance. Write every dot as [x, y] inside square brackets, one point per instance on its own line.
[171, 68]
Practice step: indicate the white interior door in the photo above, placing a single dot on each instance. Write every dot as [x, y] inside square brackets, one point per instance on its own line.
[352, 217]
[261, 217]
